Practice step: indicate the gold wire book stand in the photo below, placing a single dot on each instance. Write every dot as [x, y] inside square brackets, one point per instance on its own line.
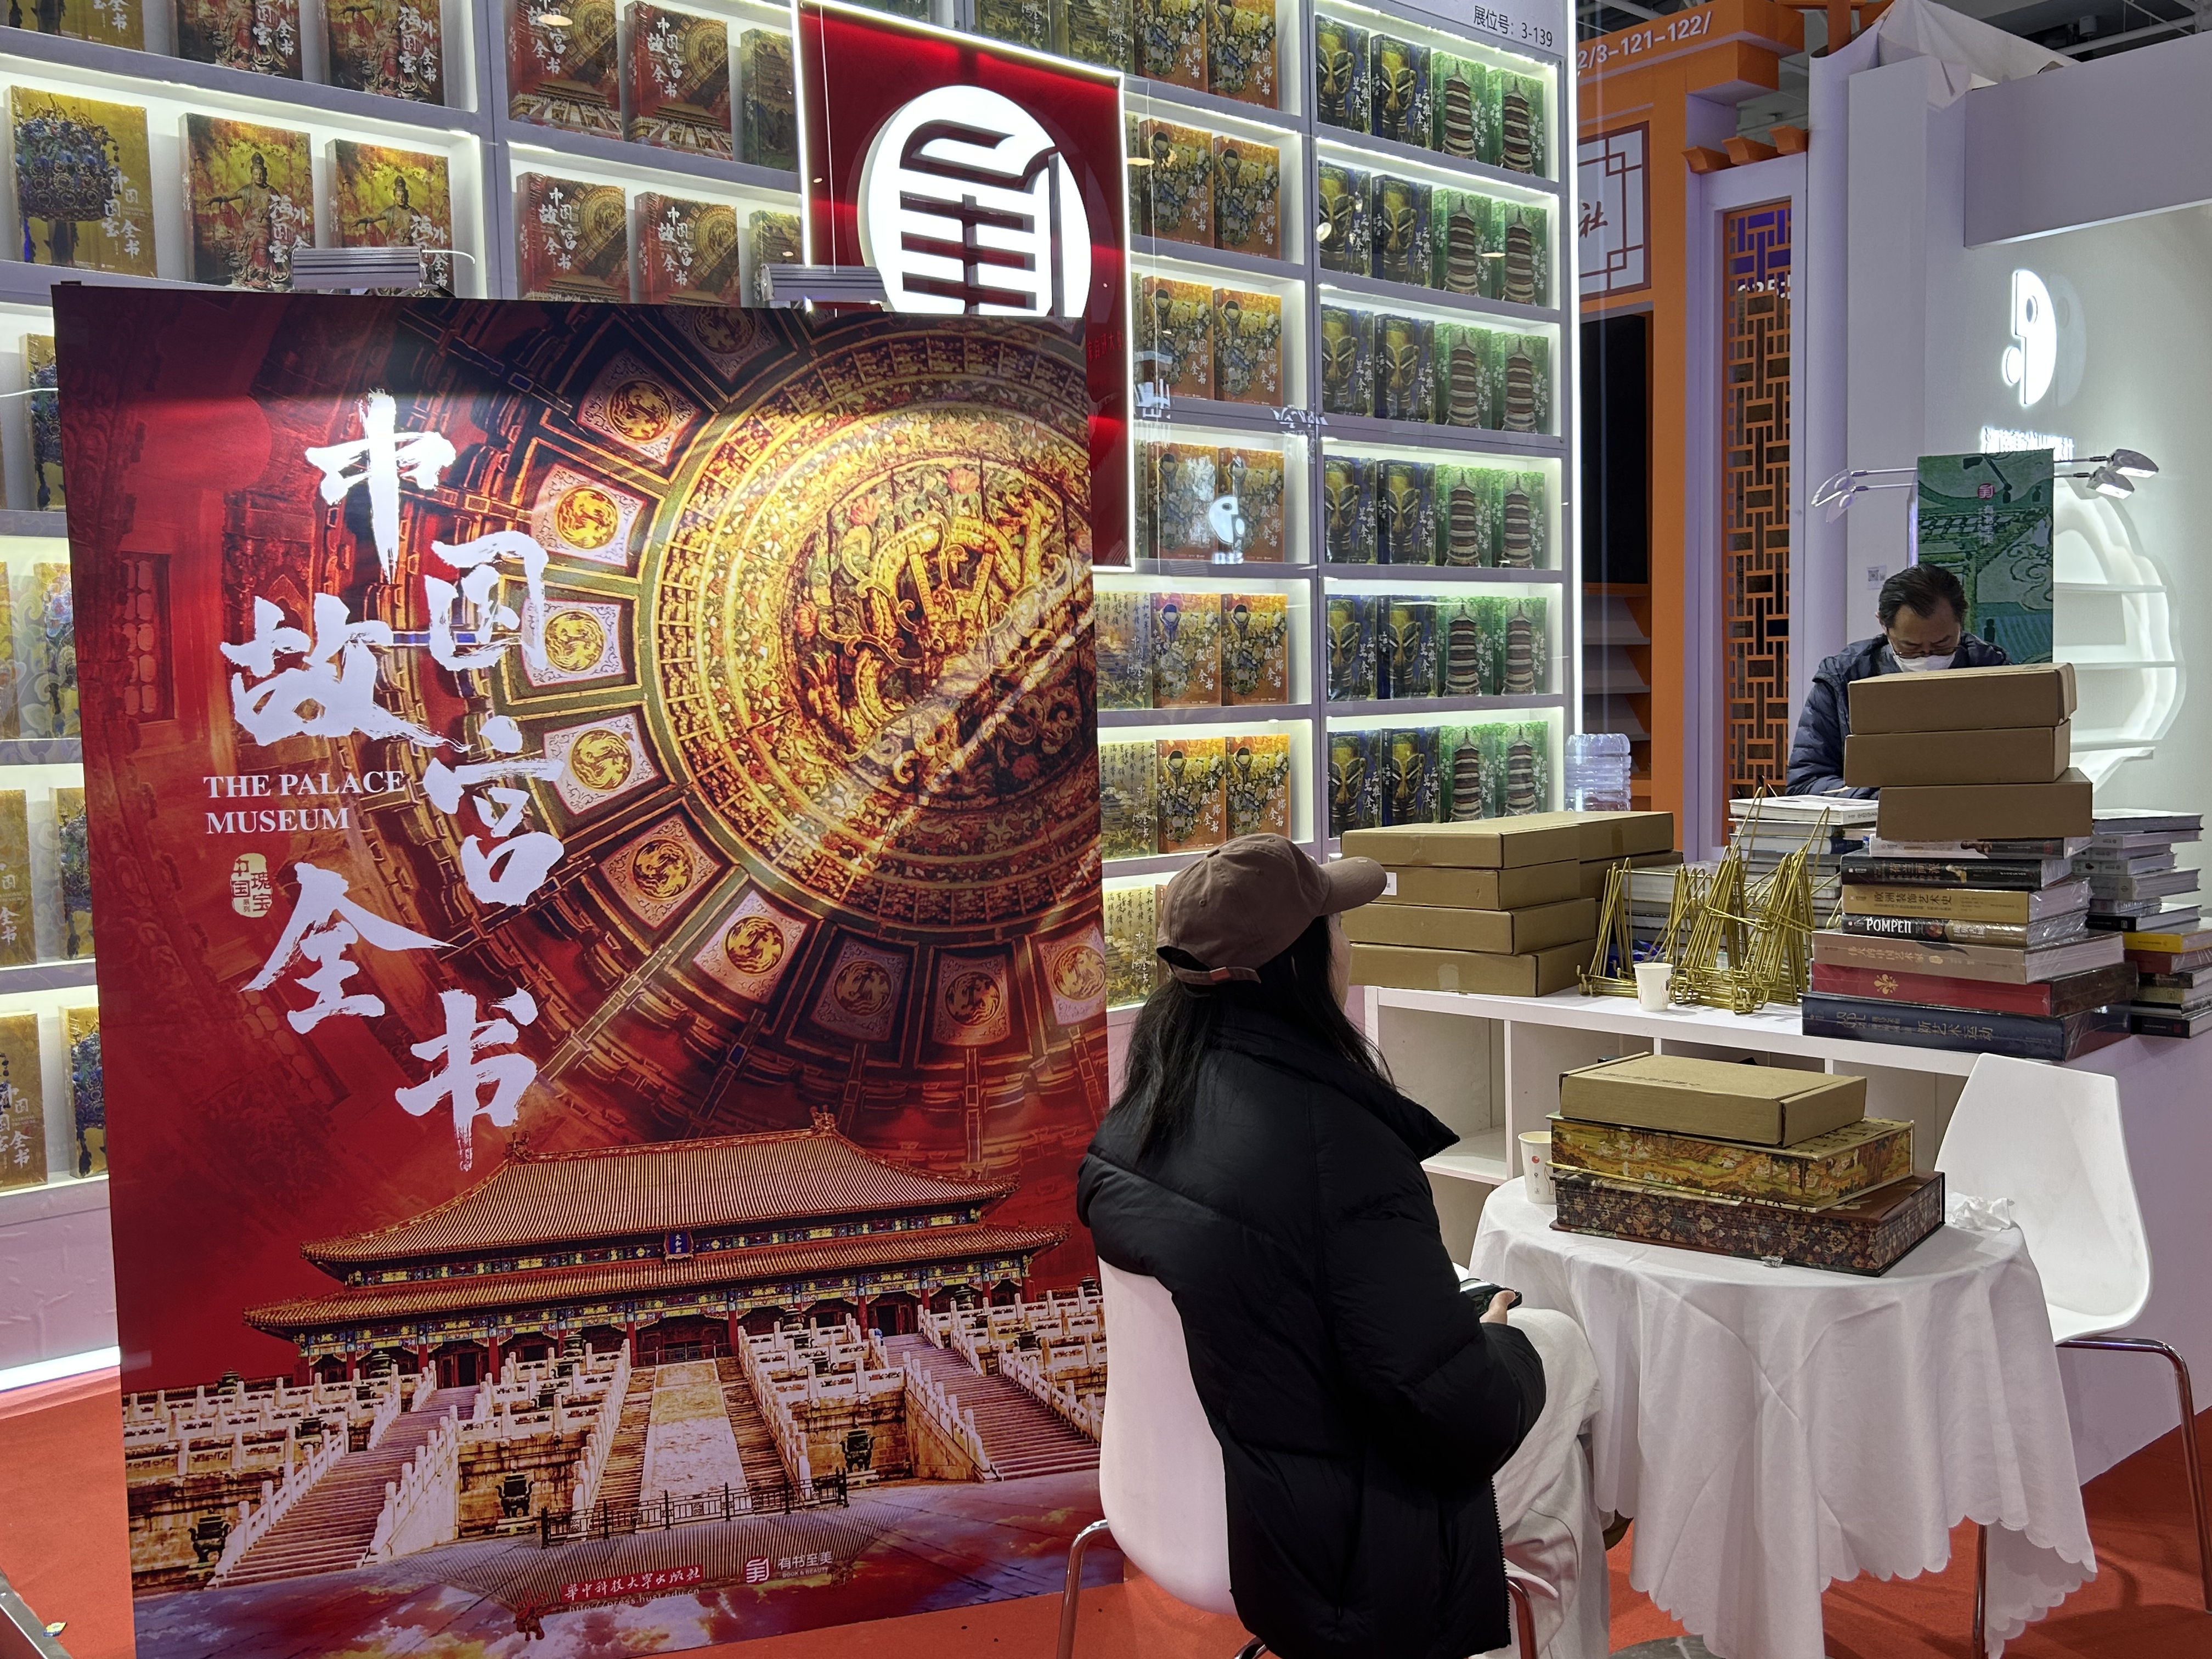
[1733, 943]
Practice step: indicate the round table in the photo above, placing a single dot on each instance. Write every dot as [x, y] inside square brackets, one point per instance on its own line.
[1773, 1429]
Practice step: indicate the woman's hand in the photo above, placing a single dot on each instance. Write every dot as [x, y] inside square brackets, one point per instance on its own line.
[1495, 1313]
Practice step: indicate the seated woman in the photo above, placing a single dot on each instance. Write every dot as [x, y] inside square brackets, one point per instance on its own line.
[1259, 1165]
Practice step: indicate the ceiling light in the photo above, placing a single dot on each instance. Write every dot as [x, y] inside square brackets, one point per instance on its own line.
[554, 20]
[1320, 230]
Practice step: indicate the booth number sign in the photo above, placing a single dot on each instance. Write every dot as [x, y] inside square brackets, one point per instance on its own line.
[1652, 37]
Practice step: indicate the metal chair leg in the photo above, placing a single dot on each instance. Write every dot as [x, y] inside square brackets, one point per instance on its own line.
[1252, 1650]
[1071, 1594]
[1981, 1647]
[1524, 1617]
[2196, 1468]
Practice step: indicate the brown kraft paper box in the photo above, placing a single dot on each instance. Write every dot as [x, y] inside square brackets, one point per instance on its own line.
[1963, 699]
[2018, 754]
[1483, 890]
[1987, 811]
[1594, 869]
[1408, 968]
[1507, 932]
[1616, 835]
[1485, 844]
[1717, 1100]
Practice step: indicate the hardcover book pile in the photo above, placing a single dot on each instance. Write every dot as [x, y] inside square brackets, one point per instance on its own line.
[1493, 907]
[1184, 794]
[1769, 830]
[1370, 81]
[1404, 512]
[1409, 775]
[1965, 925]
[1402, 648]
[1434, 373]
[2137, 889]
[1192, 650]
[1755, 1161]
[1222, 506]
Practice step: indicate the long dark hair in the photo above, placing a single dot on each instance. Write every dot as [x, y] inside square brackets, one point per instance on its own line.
[1179, 1024]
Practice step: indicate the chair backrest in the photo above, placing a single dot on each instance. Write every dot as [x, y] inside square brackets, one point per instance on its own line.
[2049, 1139]
[1159, 1465]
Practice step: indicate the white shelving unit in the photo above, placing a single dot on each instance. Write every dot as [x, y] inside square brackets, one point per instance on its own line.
[1489, 1066]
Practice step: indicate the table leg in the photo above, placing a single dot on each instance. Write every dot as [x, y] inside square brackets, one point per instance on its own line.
[1981, 1648]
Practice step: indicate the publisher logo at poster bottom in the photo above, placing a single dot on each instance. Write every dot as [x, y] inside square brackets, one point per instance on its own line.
[622, 1585]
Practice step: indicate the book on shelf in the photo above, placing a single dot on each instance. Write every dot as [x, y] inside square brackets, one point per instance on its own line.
[1255, 649]
[1256, 784]
[566, 73]
[1018, 22]
[2095, 988]
[43, 614]
[23, 1103]
[1407, 757]
[1348, 516]
[1342, 232]
[1405, 647]
[1351, 624]
[1457, 220]
[2023, 875]
[1178, 186]
[84, 192]
[1968, 903]
[110, 23]
[1517, 129]
[1132, 930]
[1466, 652]
[1398, 90]
[1175, 336]
[1172, 42]
[1404, 512]
[688, 252]
[1248, 185]
[381, 197]
[774, 239]
[1192, 801]
[1177, 484]
[1240, 61]
[1404, 372]
[1248, 347]
[2022, 1036]
[73, 865]
[679, 80]
[261, 36]
[1100, 32]
[1348, 360]
[49, 485]
[1123, 623]
[1128, 800]
[1398, 219]
[2000, 965]
[1461, 395]
[1516, 260]
[18, 928]
[767, 100]
[574, 239]
[249, 199]
[1186, 640]
[1354, 779]
[1251, 485]
[1520, 382]
[395, 48]
[1340, 74]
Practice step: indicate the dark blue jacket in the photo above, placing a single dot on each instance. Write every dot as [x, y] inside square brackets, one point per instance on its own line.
[1816, 757]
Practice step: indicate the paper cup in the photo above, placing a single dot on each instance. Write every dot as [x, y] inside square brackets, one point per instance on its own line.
[1536, 1160]
[1653, 982]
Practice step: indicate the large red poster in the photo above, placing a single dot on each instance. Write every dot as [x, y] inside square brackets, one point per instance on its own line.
[594, 820]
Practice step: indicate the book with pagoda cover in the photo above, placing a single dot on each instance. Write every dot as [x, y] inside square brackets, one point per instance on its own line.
[391, 47]
[259, 35]
[565, 74]
[249, 200]
[83, 182]
[679, 80]
[574, 240]
[385, 198]
[688, 252]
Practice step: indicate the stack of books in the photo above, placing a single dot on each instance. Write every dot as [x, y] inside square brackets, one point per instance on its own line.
[1965, 925]
[1768, 830]
[2137, 890]
[1495, 906]
[1739, 1160]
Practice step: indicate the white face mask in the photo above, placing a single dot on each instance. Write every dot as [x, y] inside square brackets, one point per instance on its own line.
[1922, 665]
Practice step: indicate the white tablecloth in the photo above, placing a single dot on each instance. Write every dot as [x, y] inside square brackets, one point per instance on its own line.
[1775, 1428]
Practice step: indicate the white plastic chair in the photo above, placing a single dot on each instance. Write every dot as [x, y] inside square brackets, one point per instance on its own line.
[2050, 1140]
[1159, 1468]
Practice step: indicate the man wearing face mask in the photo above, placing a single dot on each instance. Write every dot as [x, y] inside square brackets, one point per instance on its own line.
[1923, 611]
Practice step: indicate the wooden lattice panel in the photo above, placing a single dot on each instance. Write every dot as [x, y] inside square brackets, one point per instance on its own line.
[1755, 494]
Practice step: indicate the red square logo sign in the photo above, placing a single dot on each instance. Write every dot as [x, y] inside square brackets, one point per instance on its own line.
[980, 181]
[757, 1570]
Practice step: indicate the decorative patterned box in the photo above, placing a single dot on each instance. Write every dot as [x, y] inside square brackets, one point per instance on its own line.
[1813, 1174]
[1867, 1235]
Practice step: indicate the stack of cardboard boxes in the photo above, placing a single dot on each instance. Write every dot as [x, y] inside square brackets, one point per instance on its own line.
[1501, 906]
[1964, 924]
[1739, 1160]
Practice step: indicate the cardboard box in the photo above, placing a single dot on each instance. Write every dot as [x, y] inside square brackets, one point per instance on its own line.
[1508, 933]
[1483, 890]
[1624, 835]
[1483, 844]
[1717, 1100]
[1986, 811]
[1593, 878]
[1824, 1171]
[1869, 1234]
[1409, 968]
[2017, 754]
[1963, 699]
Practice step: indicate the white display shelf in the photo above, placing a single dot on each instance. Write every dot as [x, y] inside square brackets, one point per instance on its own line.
[1238, 718]
[532, 148]
[1373, 154]
[62, 1195]
[47, 975]
[1214, 415]
[1481, 1156]
[22, 283]
[1399, 711]
[1366, 293]
[1400, 436]
[1395, 578]
[1203, 261]
[29, 522]
[1234, 573]
[1209, 109]
[1158, 864]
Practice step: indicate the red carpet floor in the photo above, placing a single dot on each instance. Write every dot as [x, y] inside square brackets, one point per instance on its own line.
[62, 1546]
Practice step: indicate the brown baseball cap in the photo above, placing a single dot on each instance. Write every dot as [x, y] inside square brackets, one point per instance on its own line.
[1246, 902]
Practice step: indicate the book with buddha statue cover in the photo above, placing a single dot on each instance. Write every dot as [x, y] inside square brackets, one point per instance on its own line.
[602, 931]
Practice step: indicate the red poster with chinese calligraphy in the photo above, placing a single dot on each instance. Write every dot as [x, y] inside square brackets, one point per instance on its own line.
[980, 181]
[594, 824]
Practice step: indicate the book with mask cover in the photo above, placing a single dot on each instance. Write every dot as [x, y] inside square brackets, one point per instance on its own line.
[1348, 516]
[1340, 86]
[1404, 369]
[1408, 790]
[1404, 512]
[1398, 90]
[1186, 650]
[1351, 622]
[1247, 191]
[1346, 242]
[1348, 360]
[1398, 219]
[1406, 648]
[1354, 782]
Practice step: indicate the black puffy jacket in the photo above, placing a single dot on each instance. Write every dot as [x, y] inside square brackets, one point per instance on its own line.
[1361, 1405]
[1816, 756]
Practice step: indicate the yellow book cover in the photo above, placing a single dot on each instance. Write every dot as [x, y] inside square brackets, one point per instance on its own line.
[83, 182]
[18, 937]
[1258, 785]
[47, 492]
[1186, 650]
[46, 653]
[1131, 920]
[250, 200]
[82, 1027]
[1951, 903]
[1194, 811]
[22, 1105]
[386, 198]
[1255, 648]
[74, 861]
